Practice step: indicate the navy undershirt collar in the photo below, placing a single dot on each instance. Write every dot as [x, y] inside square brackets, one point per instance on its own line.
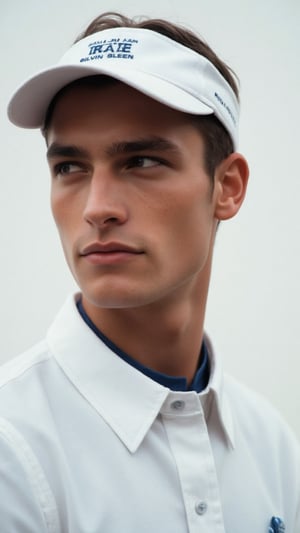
[174, 383]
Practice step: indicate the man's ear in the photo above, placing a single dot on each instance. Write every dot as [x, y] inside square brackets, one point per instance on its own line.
[231, 180]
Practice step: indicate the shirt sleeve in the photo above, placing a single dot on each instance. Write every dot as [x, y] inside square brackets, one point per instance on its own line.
[26, 501]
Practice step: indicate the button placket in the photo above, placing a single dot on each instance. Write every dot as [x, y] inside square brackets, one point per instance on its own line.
[184, 420]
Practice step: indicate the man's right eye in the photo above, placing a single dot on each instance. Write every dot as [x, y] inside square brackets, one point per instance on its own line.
[63, 169]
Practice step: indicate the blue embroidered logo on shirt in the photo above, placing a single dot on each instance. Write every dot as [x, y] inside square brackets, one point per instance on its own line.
[276, 525]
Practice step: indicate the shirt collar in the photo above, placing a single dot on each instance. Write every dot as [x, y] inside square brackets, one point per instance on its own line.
[115, 389]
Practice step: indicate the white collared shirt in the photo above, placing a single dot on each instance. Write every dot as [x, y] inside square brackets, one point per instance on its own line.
[88, 444]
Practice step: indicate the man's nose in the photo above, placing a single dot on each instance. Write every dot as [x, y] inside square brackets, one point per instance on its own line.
[105, 203]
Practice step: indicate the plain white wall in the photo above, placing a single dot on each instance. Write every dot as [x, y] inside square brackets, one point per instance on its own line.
[253, 311]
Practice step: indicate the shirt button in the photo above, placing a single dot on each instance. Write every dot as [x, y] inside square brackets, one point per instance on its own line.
[201, 508]
[178, 405]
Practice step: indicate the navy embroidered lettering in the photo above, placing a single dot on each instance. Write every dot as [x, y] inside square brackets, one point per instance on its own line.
[113, 49]
[119, 56]
[95, 49]
[103, 48]
[124, 47]
[218, 97]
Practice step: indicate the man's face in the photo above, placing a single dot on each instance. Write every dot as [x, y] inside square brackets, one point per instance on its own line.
[132, 201]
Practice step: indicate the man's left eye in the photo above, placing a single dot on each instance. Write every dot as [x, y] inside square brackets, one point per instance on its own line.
[143, 162]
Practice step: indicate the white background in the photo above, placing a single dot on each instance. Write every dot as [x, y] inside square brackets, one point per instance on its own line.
[253, 311]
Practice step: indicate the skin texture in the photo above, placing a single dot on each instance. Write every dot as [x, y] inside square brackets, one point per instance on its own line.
[137, 217]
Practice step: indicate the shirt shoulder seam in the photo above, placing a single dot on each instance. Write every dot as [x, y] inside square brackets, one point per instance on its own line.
[15, 368]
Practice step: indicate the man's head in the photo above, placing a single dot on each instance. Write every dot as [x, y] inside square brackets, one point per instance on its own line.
[138, 128]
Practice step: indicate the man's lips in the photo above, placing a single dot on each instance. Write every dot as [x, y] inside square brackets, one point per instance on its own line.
[110, 247]
[106, 253]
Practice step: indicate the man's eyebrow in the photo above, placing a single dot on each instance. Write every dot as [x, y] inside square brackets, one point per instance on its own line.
[117, 148]
[143, 144]
[61, 150]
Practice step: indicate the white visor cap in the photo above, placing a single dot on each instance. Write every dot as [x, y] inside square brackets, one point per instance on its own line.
[153, 64]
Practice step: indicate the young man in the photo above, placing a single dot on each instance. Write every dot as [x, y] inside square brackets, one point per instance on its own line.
[121, 420]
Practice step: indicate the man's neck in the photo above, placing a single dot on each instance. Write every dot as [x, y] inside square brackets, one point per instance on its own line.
[165, 338]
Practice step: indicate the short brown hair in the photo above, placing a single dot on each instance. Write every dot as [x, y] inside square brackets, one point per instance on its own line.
[218, 143]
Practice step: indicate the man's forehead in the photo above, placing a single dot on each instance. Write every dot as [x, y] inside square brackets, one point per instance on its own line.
[92, 102]
[87, 82]
[115, 119]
